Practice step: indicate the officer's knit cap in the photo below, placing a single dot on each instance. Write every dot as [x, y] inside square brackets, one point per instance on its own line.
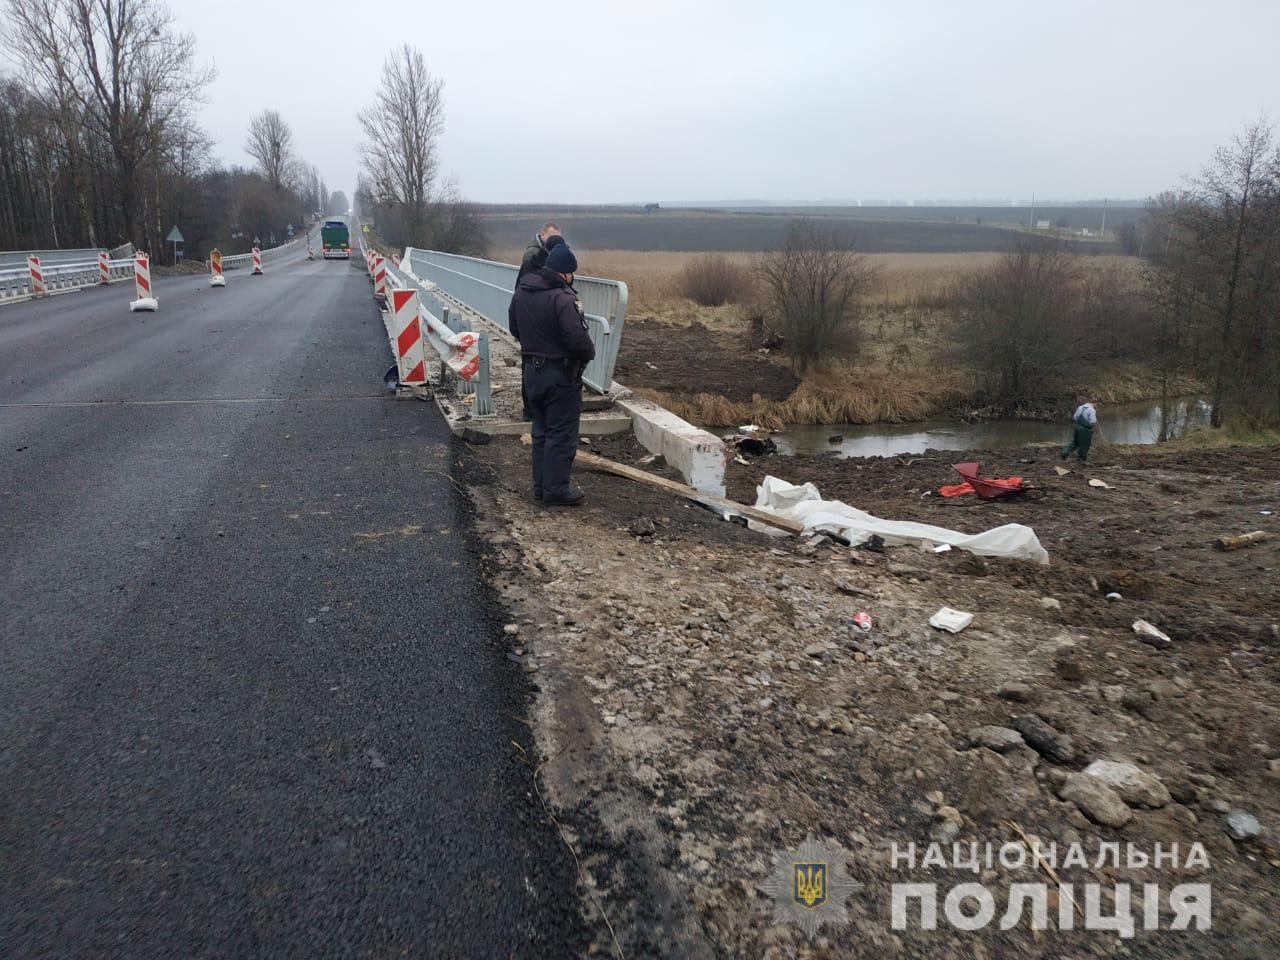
[553, 241]
[562, 260]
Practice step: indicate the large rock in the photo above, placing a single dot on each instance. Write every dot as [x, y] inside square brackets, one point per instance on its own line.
[1242, 825]
[1135, 786]
[999, 739]
[1096, 800]
[1044, 739]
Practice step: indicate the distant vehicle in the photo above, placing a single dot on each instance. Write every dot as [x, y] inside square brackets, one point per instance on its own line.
[335, 239]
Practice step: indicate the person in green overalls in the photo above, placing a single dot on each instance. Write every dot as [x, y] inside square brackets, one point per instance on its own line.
[1083, 423]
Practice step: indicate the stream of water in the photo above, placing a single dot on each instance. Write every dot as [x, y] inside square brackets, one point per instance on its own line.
[1121, 423]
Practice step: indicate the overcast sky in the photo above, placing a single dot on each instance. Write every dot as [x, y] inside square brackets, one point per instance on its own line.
[665, 100]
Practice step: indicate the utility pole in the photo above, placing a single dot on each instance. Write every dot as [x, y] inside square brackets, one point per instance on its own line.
[1104, 218]
[1032, 225]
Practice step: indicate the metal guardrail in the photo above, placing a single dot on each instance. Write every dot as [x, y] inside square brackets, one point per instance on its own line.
[63, 274]
[437, 311]
[18, 258]
[238, 260]
[15, 281]
[486, 287]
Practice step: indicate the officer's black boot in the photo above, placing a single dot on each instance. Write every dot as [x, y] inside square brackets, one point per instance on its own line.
[571, 496]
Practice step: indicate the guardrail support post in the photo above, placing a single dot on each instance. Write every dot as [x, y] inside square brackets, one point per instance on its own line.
[483, 386]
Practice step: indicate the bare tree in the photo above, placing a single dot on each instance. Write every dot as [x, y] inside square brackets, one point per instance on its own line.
[270, 143]
[1235, 190]
[400, 131]
[117, 70]
[1017, 328]
[815, 285]
[1215, 277]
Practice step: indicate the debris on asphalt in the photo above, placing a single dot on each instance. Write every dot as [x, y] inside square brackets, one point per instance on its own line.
[1100, 484]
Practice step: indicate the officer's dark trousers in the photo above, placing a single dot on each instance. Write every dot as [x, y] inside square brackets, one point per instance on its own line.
[555, 405]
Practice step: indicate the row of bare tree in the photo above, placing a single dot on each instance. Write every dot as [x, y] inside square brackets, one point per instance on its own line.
[1206, 307]
[99, 145]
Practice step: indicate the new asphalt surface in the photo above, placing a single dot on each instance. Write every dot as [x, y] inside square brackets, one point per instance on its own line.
[254, 699]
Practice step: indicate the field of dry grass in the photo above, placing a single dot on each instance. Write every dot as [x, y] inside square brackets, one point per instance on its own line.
[902, 371]
[902, 278]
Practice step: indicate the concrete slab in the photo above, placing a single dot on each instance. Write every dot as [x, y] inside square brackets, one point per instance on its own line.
[697, 454]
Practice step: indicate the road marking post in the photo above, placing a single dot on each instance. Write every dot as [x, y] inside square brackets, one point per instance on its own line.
[380, 279]
[216, 279]
[257, 263]
[104, 268]
[411, 358]
[37, 277]
[142, 284]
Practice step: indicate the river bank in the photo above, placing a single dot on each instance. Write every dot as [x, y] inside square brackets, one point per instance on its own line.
[720, 376]
[703, 702]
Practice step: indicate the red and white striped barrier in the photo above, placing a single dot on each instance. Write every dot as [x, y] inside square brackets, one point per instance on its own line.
[104, 268]
[216, 279]
[459, 351]
[257, 263]
[37, 277]
[406, 322]
[142, 281]
[379, 278]
[311, 254]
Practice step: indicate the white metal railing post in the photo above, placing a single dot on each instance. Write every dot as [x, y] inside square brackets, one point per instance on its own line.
[484, 386]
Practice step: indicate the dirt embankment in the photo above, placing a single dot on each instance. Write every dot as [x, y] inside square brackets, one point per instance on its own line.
[704, 700]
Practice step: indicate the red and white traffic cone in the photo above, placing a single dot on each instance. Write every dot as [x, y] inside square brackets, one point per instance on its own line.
[37, 277]
[216, 279]
[104, 268]
[142, 282]
[411, 356]
[311, 254]
[257, 263]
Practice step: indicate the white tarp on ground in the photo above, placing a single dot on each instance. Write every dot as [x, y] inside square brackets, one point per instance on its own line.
[805, 504]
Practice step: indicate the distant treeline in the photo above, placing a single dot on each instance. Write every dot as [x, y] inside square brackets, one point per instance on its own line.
[693, 230]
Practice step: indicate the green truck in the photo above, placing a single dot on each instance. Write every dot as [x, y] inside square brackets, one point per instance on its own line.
[335, 239]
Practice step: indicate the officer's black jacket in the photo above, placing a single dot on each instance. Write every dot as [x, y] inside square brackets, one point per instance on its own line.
[546, 317]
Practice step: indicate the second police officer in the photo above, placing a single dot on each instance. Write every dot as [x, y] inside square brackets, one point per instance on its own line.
[547, 318]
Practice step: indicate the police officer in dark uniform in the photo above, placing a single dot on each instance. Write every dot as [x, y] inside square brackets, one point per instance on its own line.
[535, 258]
[547, 318]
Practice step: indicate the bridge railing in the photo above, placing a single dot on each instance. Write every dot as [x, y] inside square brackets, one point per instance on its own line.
[486, 287]
[15, 282]
[437, 312]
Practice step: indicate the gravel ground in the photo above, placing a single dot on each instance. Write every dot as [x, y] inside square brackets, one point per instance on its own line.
[704, 700]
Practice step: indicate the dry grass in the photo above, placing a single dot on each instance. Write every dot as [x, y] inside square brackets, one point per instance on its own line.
[843, 394]
[903, 372]
[903, 279]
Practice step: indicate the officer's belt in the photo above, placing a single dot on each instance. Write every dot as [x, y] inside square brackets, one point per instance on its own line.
[538, 360]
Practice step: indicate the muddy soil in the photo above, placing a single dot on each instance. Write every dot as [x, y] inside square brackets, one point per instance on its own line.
[704, 701]
[658, 356]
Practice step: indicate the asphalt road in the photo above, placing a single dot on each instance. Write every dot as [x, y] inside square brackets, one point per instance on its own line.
[254, 700]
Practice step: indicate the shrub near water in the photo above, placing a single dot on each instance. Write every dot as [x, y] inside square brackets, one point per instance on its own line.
[712, 279]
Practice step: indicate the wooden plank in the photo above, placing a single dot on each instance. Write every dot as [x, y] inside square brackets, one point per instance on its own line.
[1242, 540]
[631, 473]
